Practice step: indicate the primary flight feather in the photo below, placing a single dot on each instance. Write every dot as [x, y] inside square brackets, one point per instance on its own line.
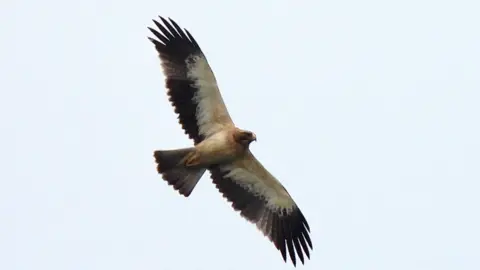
[221, 147]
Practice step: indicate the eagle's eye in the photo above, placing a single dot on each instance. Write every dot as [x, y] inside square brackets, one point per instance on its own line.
[245, 137]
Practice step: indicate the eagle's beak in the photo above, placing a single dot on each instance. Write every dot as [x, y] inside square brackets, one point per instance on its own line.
[254, 137]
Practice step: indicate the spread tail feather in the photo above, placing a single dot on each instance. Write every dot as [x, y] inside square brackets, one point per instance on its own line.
[170, 164]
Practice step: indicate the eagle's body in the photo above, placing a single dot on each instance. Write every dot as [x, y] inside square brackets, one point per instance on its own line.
[221, 147]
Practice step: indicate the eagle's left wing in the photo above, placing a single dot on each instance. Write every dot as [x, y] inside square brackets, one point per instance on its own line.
[262, 199]
[192, 87]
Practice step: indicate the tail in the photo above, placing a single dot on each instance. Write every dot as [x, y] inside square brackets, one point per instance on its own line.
[170, 164]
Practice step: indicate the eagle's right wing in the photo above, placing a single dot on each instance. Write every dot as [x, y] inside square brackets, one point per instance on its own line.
[264, 201]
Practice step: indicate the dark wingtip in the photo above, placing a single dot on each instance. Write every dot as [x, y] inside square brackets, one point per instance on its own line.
[296, 236]
[152, 40]
[296, 243]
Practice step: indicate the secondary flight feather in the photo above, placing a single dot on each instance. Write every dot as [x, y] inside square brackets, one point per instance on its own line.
[220, 146]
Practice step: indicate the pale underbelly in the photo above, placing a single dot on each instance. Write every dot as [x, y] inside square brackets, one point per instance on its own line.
[217, 150]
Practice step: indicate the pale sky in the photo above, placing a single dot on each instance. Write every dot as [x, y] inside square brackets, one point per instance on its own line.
[367, 111]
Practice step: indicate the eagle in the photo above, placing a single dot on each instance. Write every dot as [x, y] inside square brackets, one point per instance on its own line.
[221, 147]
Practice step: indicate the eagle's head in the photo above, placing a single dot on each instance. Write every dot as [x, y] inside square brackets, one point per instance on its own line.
[244, 137]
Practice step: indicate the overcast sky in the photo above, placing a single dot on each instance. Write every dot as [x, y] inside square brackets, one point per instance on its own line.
[367, 111]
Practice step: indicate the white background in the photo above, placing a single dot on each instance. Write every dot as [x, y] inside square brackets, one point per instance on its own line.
[367, 111]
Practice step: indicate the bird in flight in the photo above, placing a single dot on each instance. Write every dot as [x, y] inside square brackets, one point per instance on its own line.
[220, 147]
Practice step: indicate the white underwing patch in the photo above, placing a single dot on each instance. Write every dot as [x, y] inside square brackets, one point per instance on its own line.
[263, 222]
[207, 95]
[253, 184]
